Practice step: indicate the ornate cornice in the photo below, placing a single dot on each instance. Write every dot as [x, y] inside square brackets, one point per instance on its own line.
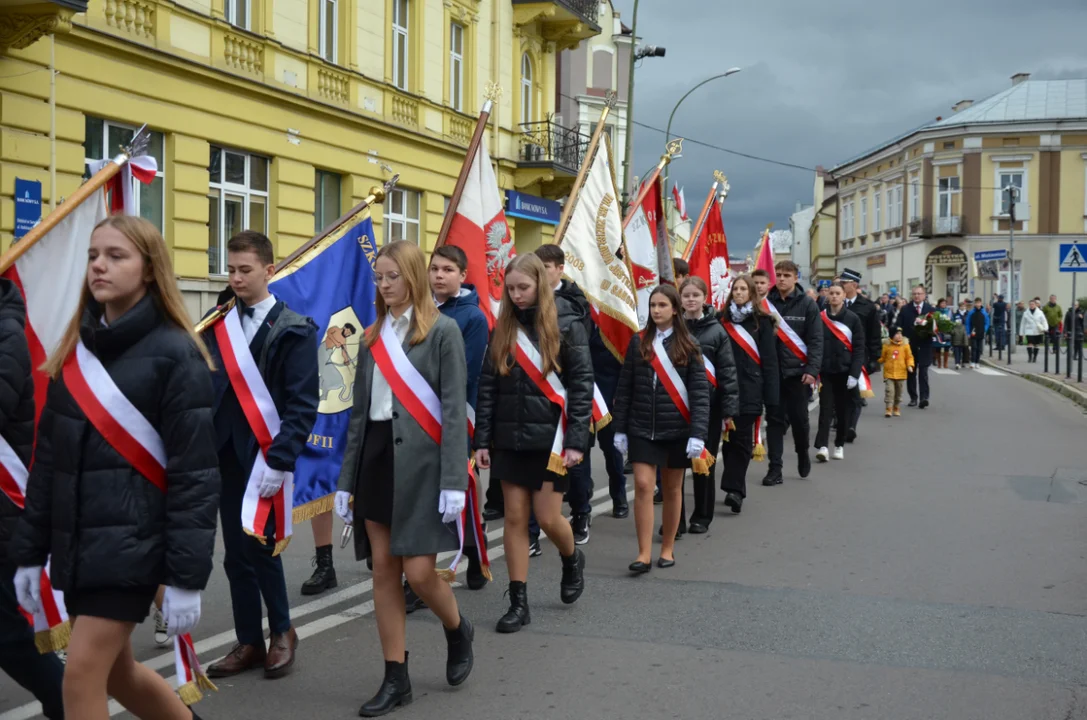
[21, 29]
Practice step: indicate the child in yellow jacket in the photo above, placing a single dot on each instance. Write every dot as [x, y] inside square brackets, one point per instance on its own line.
[897, 362]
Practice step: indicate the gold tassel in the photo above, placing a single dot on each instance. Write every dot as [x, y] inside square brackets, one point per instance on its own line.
[281, 545]
[189, 693]
[53, 639]
[759, 453]
[487, 572]
[868, 394]
[556, 465]
[602, 423]
[313, 508]
[702, 466]
[446, 574]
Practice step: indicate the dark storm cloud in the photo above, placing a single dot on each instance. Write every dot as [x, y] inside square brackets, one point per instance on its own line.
[822, 82]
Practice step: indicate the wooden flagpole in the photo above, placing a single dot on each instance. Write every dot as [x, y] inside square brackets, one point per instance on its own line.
[583, 171]
[50, 221]
[672, 150]
[696, 233]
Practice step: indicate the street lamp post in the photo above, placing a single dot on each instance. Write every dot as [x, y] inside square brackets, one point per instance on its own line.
[668, 130]
[636, 54]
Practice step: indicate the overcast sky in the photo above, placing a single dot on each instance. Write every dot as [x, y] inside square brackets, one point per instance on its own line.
[824, 81]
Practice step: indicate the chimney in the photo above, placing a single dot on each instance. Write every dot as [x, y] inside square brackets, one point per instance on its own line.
[1020, 77]
[961, 105]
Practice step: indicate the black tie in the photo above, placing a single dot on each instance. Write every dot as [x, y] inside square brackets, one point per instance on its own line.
[245, 310]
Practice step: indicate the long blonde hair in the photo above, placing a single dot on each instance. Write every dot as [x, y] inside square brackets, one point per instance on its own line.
[413, 269]
[504, 338]
[162, 289]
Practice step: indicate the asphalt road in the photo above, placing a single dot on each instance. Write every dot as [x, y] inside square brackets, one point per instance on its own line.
[936, 572]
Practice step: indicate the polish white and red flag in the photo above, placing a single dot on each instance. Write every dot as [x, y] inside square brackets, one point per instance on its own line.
[479, 228]
[681, 202]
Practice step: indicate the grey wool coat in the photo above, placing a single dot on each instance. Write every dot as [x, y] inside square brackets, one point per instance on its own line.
[422, 468]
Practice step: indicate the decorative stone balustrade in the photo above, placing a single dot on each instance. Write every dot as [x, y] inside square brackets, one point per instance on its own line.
[243, 54]
[131, 16]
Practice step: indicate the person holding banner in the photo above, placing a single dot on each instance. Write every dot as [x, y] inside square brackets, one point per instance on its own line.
[662, 416]
[41, 674]
[754, 347]
[532, 424]
[266, 396]
[842, 369]
[720, 365]
[124, 487]
[406, 465]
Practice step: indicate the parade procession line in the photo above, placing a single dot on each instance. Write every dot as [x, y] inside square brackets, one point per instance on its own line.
[321, 624]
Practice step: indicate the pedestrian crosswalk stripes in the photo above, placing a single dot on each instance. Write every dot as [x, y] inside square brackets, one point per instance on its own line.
[990, 371]
[944, 371]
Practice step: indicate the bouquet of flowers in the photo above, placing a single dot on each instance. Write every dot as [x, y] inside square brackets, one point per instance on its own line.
[926, 327]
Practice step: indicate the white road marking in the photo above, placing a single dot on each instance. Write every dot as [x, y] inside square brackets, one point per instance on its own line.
[945, 371]
[990, 371]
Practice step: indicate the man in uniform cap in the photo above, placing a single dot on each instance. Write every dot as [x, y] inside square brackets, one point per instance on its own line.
[868, 313]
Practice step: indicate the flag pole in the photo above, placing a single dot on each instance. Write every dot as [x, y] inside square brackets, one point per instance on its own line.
[492, 91]
[377, 195]
[586, 163]
[136, 147]
[672, 150]
[696, 233]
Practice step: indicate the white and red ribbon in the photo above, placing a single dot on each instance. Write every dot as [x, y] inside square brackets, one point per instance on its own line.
[528, 357]
[191, 680]
[743, 338]
[260, 411]
[845, 335]
[601, 416]
[677, 390]
[711, 370]
[121, 198]
[786, 334]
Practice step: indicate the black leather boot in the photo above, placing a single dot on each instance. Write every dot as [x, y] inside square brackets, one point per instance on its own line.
[459, 660]
[518, 615]
[773, 476]
[395, 691]
[324, 577]
[573, 577]
[475, 577]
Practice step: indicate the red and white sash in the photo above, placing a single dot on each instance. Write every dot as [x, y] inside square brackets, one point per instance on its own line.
[786, 334]
[669, 377]
[13, 474]
[260, 411]
[601, 416]
[845, 335]
[711, 370]
[528, 357]
[743, 338]
[191, 680]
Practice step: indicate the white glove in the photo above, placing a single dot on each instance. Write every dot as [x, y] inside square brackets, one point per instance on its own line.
[451, 505]
[342, 504]
[270, 482]
[28, 588]
[695, 448]
[181, 608]
[620, 442]
[851, 383]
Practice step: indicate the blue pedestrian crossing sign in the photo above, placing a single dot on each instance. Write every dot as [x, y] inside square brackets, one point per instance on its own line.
[1072, 258]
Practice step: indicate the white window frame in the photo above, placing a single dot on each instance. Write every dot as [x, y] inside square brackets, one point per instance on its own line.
[915, 200]
[403, 219]
[947, 194]
[864, 216]
[401, 39]
[230, 12]
[894, 207]
[138, 188]
[329, 40]
[877, 210]
[456, 66]
[999, 197]
[245, 191]
[526, 88]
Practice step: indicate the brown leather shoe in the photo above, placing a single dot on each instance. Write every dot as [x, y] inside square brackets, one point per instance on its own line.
[280, 654]
[238, 660]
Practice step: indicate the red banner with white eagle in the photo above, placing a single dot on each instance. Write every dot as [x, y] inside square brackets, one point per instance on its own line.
[709, 259]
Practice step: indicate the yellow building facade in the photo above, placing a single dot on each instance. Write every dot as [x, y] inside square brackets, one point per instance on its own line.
[279, 115]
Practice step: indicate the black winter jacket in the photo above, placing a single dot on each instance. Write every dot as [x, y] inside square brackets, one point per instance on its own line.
[643, 407]
[759, 384]
[868, 313]
[105, 524]
[511, 411]
[605, 367]
[836, 358]
[16, 396]
[802, 314]
[713, 339]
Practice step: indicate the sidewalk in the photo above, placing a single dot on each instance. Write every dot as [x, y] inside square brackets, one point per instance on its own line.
[1035, 372]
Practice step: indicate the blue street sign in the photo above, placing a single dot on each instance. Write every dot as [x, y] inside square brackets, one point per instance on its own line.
[984, 255]
[28, 205]
[1071, 258]
[530, 207]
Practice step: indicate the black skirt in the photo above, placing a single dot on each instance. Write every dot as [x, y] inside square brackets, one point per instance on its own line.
[670, 454]
[527, 469]
[131, 605]
[375, 475]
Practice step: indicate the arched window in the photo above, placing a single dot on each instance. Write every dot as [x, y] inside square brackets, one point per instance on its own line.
[526, 88]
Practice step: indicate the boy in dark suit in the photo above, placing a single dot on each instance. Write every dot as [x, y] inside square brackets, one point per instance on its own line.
[284, 345]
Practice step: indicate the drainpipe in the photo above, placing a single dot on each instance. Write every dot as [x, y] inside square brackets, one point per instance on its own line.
[52, 122]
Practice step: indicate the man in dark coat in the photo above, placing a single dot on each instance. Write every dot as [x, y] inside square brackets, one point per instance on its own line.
[282, 343]
[19, 658]
[911, 318]
[869, 315]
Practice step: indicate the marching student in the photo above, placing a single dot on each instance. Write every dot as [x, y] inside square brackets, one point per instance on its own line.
[761, 279]
[19, 657]
[662, 415]
[532, 424]
[406, 465]
[124, 486]
[259, 339]
[868, 313]
[720, 367]
[754, 347]
[800, 356]
[843, 362]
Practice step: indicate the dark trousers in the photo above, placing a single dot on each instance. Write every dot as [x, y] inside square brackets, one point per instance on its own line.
[736, 455]
[977, 347]
[613, 462]
[919, 377]
[705, 491]
[580, 493]
[856, 404]
[834, 403]
[792, 410]
[494, 500]
[252, 571]
[42, 675]
[958, 354]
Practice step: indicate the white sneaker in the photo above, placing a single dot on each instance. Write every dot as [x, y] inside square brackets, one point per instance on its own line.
[839, 453]
[821, 454]
[161, 631]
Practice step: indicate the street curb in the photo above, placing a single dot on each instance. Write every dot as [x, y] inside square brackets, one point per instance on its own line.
[1077, 396]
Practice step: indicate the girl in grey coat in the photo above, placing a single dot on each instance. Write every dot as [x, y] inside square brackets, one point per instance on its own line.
[408, 478]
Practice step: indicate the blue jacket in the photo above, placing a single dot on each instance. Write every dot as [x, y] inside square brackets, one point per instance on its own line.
[967, 321]
[464, 309]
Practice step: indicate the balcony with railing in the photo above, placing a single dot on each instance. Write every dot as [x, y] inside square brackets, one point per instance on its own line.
[950, 225]
[564, 22]
[549, 145]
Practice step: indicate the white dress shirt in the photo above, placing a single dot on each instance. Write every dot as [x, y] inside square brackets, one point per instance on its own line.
[250, 325]
[381, 395]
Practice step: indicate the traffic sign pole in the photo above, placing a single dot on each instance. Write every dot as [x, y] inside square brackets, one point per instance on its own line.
[1072, 329]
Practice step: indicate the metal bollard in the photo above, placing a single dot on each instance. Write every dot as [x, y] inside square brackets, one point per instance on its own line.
[1071, 350]
[1057, 355]
[1079, 370]
[1045, 347]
